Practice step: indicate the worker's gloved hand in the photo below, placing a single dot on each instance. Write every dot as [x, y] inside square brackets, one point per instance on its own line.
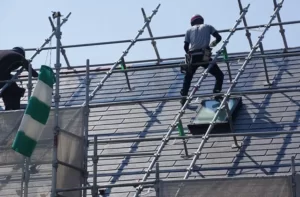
[27, 65]
[213, 44]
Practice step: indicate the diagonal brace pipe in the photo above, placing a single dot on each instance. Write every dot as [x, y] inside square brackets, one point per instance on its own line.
[181, 111]
[101, 83]
[62, 50]
[151, 36]
[227, 94]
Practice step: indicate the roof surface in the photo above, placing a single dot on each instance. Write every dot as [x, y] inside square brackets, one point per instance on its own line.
[261, 155]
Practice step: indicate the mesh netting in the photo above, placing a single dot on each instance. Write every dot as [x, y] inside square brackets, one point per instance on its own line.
[70, 151]
[235, 187]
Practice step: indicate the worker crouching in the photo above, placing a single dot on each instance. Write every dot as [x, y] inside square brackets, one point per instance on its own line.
[11, 60]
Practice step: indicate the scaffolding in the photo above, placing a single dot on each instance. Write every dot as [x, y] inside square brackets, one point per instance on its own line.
[120, 67]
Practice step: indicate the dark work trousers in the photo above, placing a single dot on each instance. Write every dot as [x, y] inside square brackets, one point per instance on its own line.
[215, 71]
[11, 96]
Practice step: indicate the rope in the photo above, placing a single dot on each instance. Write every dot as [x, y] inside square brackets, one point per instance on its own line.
[49, 52]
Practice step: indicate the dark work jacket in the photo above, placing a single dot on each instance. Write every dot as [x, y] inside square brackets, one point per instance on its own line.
[11, 61]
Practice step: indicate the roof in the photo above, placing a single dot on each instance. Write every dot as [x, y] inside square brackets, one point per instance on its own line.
[259, 155]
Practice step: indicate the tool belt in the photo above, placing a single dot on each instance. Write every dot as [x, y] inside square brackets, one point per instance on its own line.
[205, 55]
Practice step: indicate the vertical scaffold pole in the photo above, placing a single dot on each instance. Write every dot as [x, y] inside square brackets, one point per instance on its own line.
[101, 83]
[293, 169]
[95, 163]
[268, 82]
[225, 57]
[27, 160]
[123, 67]
[56, 15]
[181, 133]
[181, 111]
[86, 123]
[227, 94]
[157, 178]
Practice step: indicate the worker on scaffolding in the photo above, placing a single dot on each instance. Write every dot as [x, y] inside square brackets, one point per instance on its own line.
[198, 36]
[11, 60]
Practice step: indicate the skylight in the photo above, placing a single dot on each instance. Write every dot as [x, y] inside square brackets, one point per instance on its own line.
[207, 111]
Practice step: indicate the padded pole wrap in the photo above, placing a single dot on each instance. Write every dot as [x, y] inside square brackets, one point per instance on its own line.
[36, 114]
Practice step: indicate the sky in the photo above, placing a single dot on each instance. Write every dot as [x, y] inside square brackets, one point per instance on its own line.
[25, 23]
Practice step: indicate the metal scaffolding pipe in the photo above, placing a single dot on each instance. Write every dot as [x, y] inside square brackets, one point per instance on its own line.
[181, 111]
[152, 183]
[153, 42]
[38, 50]
[95, 165]
[71, 166]
[25, 163]
[123, 64]
[281, 27]
[26, 159]
[10, 81]
[242, 134]
[203, 169]
[157, 178]
[176, 64]
[173, 98]
[162, 65]
[154, 61]
[164, 37]
[101, 83]
[86, 123]
[268, 83]
[280, 89]
[248, 34]
[107, 186]
[125, 155]
[293, 174]
[62, 50]
[228, 93]
[56, 15]
[173, 65]
[154, 67]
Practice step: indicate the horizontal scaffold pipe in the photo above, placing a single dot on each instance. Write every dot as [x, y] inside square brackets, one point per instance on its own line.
[68, 74]
[156, 62]
[152, 183]
[163, 37]
[107, 186]
[243, 134]
[275, 90]
[164, 64]
[280, 89]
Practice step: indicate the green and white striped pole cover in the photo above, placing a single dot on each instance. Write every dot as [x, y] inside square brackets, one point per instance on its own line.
[36, 114]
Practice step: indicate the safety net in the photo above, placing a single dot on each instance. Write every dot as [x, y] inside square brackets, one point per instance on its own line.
[279, 186]
[69, 152]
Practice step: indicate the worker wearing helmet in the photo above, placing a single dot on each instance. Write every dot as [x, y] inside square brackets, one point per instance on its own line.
[11, 60]
[197, 45]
